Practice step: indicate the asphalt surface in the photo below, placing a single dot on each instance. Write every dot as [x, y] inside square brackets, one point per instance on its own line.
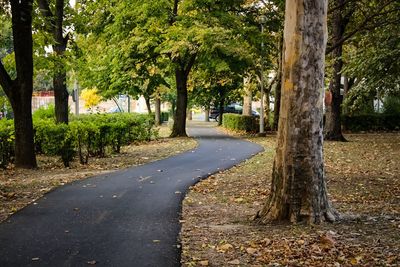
[125, 218]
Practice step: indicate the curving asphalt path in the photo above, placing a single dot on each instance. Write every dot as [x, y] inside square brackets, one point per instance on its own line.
[125, 218]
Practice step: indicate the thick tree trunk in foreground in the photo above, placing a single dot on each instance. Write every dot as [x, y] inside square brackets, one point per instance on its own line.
[248, 97]
[298, 188]
[19, 91]
[157, 111]
[179, 127]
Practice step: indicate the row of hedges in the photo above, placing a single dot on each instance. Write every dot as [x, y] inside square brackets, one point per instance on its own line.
[239, 122]
[371, 122]
[85, 136]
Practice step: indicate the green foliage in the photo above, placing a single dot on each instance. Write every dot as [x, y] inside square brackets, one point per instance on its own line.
[164, 116]
[391, 105]
[371, 122]
[6, 142]
[85, 136]
[239, 122]
[44, 113]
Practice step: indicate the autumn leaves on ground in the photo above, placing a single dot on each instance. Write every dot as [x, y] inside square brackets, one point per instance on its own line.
[363, 182]
[217, 230]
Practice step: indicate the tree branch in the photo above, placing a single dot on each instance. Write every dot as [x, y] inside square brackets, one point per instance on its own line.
[190, 64]
[46, 12]
[5, 80]
[363, 26]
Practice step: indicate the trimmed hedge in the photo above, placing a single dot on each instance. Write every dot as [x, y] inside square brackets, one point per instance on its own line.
[371, 122]
[85, 136]
[6, 142]
[239, 122]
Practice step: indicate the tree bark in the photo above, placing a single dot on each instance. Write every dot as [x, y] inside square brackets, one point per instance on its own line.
[248, 96]
[277, 102]
[207, 115]
[148, 105]
[333, 122]
[221, 105]
[298, 189]
[157, 111]
[19, 91]
[179, 127]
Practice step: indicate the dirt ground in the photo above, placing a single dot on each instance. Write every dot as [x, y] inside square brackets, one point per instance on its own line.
[20, 187]
[363, 178]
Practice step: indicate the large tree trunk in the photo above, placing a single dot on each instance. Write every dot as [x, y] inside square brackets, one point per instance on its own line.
[19, 91]
[298, 188]
[221, 105]
[333, 122]
[248, 96]
[277, 102]
[157, 111]
[179, 126]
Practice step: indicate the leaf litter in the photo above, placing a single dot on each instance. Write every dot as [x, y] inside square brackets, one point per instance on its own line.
[363, 178]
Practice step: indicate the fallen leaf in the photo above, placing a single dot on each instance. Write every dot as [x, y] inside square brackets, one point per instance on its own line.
[224, 248]
[234, 262]
[35, 259]
[251, 251]
[203, 263]
[93, 262]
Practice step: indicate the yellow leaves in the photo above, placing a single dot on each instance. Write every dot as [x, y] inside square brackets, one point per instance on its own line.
[203, 263]
[90, 97]
[224, 248]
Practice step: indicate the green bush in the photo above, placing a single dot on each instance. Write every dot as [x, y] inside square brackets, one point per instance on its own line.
[54, 139]
[391, 105]
[85, 135]
[6, 142]
[239, 122]
[43, 113]
[164, 116]
[371, 122]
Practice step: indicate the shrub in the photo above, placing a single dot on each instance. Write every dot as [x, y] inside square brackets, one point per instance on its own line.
[391, 105]
[239, 122]
[371, 122]
[6, 142]
[164, 116]
[54, 139]
[44, 113]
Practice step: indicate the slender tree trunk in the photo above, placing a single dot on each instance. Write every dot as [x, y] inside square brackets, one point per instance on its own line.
[19, 91]
[179, 127]
[54, 25]
[189, 114]
[207, 114]
[221, 106]
[333, 122]
[267, 110]
[248, 96]
[298, 189]
[277, 102]
[157, 111]
[148, 105]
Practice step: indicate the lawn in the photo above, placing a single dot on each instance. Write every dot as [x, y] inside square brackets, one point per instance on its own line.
[363, 178]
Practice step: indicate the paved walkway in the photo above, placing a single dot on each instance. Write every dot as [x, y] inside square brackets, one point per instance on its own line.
[125, 218]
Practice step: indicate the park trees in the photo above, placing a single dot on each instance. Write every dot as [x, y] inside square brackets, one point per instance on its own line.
[54, 24]
[298, 188]
[349, 20]
[19, 88]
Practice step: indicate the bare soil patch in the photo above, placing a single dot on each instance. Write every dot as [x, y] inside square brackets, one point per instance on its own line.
[363, 179]
[20, 187]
